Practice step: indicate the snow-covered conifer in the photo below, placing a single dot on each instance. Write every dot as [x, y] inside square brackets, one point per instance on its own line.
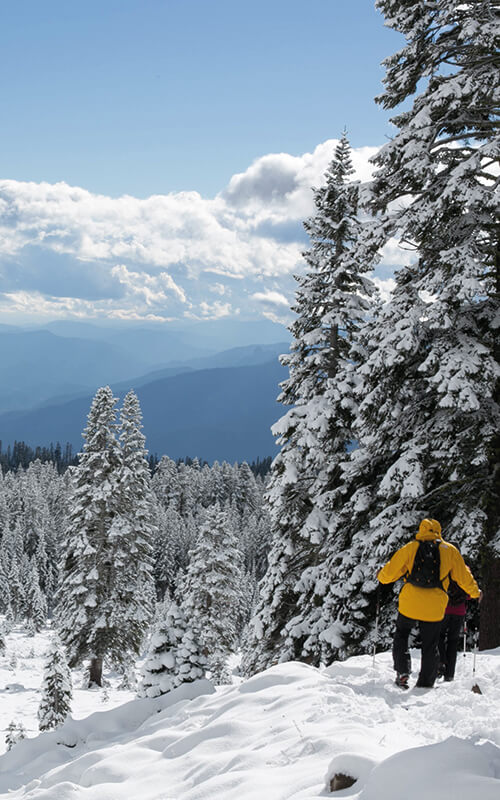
[12, 542]
[4, 508]
[15, 732]
[174, 655]
[8, 622]
[16, 591]
[445, 155]
[211, 589]
[88, 625]
[11, 738]
[131, 537]
[4, 589]
[36, 604]
[331, 303]
[42, 563]
[255, 540]
[164, 482]
[56, 689]
[170, 550]
[247, 494]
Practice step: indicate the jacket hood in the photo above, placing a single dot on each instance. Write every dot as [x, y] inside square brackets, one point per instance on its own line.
[429, 530]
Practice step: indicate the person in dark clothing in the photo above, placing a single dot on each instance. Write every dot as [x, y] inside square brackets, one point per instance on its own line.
[429, 637]
[424, 603]
[451, 629]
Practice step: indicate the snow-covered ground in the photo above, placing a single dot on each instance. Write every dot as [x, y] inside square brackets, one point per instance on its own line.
[21, 671]
[280, 735]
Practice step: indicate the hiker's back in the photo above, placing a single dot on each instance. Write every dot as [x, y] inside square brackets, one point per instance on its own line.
[426, 569]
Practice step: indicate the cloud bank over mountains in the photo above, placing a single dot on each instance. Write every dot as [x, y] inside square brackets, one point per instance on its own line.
[67, 252]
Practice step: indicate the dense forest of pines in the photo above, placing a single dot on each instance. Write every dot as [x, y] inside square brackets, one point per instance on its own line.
[22, 455]
[67, 539]
[393, 416]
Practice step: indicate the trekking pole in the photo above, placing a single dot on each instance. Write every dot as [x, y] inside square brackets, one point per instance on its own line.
[475, 651]
[376, 624]
[465, 637]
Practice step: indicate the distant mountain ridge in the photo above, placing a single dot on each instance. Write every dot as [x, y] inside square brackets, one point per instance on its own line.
[224, 413]
[198, 397]
[66, 359]
[213, 335]
[36, 364]
[234, 357]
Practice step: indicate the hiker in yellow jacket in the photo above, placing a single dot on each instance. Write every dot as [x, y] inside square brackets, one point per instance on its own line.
[425, 602]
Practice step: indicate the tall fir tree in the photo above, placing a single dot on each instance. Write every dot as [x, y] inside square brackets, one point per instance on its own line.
[36, 604]
[16, 590]
[88, 625]
[383, 477]
[332, 301]
[453, 222]
[4, 590]
[131, 535]
[107, 593]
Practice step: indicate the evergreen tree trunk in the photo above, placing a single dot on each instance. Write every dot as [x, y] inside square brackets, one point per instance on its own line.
[489, 636]
[95, 671]
[489, 632]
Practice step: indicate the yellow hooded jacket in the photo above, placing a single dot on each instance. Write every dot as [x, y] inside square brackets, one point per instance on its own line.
[415, 602]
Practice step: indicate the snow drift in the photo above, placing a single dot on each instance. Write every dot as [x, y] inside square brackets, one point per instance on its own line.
[280, 735]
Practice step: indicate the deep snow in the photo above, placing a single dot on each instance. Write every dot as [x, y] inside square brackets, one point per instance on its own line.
[278, 736]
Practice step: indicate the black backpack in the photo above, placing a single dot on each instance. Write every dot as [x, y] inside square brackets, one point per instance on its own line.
[426, 566]
[456, 595]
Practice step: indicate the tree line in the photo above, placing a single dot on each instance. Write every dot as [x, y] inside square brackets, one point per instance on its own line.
[21, 455]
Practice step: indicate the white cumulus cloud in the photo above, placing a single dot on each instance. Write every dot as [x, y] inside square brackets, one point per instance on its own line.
[272, 298]
[160, 256]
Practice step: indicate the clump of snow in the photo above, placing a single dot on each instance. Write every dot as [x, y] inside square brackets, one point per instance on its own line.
[281, 735]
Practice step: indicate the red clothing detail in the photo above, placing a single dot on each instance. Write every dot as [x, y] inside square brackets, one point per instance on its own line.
[457, 611]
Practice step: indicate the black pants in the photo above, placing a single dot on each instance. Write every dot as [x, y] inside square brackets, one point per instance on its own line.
[429, 634]
[449, 636]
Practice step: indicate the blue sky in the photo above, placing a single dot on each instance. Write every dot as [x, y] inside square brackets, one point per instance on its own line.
[223, 111]
[152, 96]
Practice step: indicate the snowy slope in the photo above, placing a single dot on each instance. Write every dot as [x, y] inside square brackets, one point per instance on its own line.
[21, 671]
[278, 736]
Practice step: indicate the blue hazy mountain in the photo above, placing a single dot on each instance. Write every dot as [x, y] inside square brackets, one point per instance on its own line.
[175, 341]
[234, 357]
[36, 365]
[152, 346]
[223, 413]
[66, 359]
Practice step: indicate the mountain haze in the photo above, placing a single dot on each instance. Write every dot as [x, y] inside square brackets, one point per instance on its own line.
[35, 365]
[66, 359]
[223, 413]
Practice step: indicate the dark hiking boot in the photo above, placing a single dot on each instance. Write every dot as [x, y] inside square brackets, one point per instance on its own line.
[402, 680]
